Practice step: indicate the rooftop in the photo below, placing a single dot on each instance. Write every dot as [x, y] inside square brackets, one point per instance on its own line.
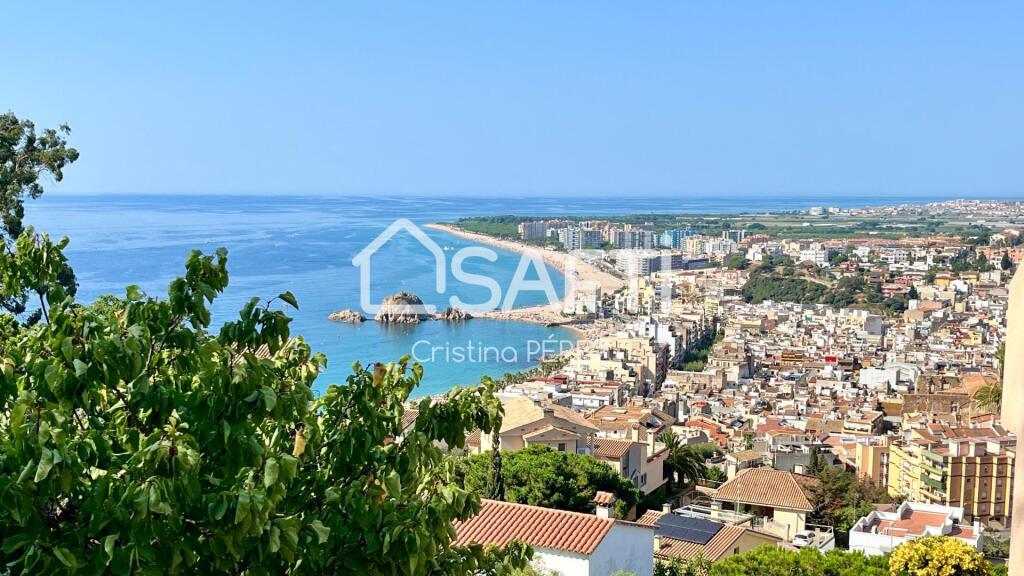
[768, 487]
[499, 523]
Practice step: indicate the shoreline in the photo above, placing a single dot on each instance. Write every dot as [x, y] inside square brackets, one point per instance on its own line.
[544, 313]
[585, 272]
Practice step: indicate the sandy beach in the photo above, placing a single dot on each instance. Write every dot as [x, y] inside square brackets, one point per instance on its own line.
[584, 274]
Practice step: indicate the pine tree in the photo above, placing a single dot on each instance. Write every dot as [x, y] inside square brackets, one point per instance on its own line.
[497, 487]
[814, 465]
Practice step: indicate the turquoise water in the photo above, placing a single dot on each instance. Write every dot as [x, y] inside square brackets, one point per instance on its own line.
[305, 246]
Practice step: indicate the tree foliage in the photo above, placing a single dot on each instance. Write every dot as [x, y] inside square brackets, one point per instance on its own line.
[774, 561]
[840, 499]
[699, 566]
[685, 463]
[25, 158]
[133, 440]
[937, 556]
[540, 476]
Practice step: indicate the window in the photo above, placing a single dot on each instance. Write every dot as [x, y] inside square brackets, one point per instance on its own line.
[561, 446]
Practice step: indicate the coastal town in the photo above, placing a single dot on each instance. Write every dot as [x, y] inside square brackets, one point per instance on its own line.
[756, 387]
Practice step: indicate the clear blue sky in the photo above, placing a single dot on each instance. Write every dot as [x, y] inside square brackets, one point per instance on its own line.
[527, 97]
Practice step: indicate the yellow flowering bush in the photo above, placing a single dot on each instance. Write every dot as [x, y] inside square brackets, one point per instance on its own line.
[937, 556]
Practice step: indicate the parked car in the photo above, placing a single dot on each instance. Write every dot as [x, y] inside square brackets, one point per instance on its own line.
[803, 538]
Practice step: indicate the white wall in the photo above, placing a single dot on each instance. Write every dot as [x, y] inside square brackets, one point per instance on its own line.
[874, 544]
[564, 563]
[626, 547]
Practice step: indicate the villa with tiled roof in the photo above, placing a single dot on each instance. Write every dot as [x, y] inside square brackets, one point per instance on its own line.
[685, 539]
[567, 543]
[781, 498]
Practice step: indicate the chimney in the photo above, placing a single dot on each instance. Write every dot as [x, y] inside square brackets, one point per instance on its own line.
[603, 504]
[666, 508]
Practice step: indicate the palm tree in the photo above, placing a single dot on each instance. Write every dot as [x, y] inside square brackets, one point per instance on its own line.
[683, 461]
[989, 397]
[688, 465]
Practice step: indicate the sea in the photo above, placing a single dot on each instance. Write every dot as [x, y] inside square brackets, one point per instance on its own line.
[306, 245]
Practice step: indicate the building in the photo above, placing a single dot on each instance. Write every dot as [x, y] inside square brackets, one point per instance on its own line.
[533, 230]
[734, 235]
[647, 262]
[575, 238]
[780, 499]
[632, 239]
[527, 423]
[683, 538]
[675, 238]
[871, 459]
[567, 543]
[1013, 405]
[879, 532]
[969, 468]
[629, 458]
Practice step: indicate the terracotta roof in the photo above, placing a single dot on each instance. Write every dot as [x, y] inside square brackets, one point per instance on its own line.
[719, 545]
[747, 455]
[521, 411]
[610, 448]
[650, 518]
[604, 498]
[550, 433]
[409, 418]
[767, 487]
[623, 417]
[499, 523]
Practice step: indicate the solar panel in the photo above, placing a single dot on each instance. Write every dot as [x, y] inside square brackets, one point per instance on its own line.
[696, 530]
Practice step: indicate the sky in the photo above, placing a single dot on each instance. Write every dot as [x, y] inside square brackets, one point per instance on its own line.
[526, 98]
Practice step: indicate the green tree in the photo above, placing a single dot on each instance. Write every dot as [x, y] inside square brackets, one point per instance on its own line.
[133, 440]
[840, 499]
[699, 566]
[540, 476]
[736, 262]
[774, 561]
[685, 463]
[989, 397]
[25, 157]
[1005, 263]
[814, 463]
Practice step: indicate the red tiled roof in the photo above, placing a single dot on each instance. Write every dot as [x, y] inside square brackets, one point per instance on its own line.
[502, 522]
[604, 498]
[767, 487]
[611, 448]
[650, 518]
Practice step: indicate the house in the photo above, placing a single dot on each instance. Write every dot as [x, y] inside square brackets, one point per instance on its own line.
[527, 423]
[737, 461]
[780, 499]
[626, 457]
[879, 532]
[683, 538]
[567, 543]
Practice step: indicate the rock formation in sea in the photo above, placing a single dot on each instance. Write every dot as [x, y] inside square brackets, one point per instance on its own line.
[347, 315]
[402, 308]
[452, 314]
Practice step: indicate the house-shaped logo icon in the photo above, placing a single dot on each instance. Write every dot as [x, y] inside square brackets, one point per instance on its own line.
[362, 261]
